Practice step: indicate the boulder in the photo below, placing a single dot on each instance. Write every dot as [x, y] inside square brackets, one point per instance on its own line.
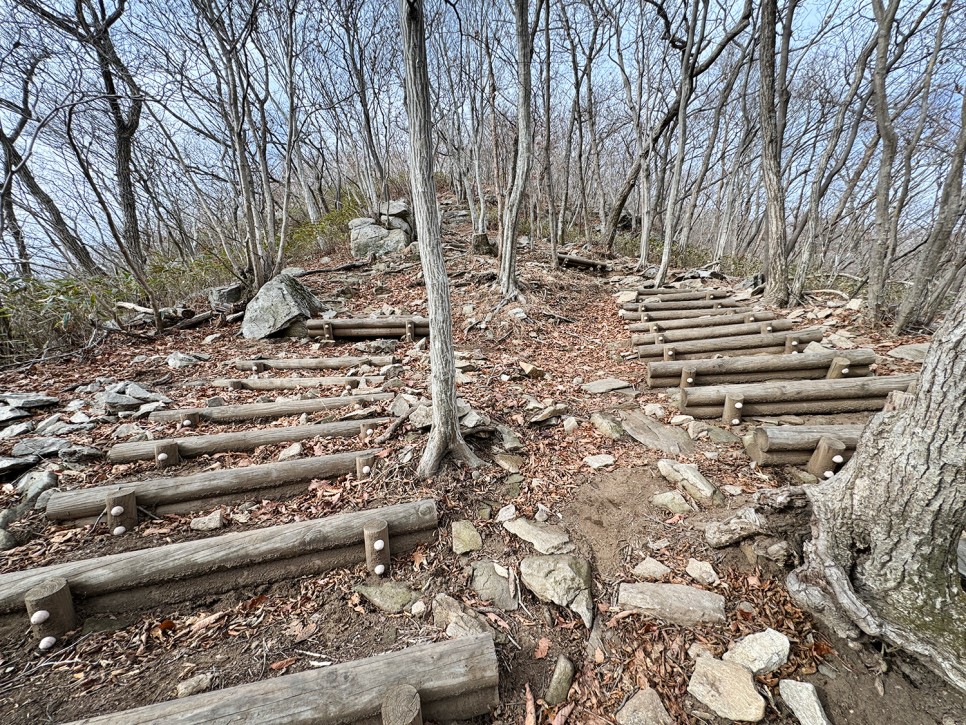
[561, 579]
[280, 304]
[377, 241]
[398, 208]
[673, 603]
[727, 688]
[228, 295]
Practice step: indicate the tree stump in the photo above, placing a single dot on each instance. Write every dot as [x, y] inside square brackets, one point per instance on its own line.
[50, 608]
[401, 705]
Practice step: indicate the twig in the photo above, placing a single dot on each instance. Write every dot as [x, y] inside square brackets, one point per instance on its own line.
[397, 424]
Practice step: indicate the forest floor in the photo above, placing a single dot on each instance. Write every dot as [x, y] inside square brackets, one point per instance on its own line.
[572, 332]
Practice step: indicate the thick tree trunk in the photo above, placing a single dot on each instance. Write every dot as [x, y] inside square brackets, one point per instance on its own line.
[444, 437]
[885, 529]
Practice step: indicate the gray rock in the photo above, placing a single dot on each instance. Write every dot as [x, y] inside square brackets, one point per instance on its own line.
[389, 596]
[802, 700]
[674, 603]
[143, 394]
[10, 464]
[145, 410]
[32, 484]
[8, 414]
[509, 439]
[397, 208]
[17, 429]
[672, 501]
[761, 652]
[491, 582]
[722, 436]
[49, 426]
[211, 522]
[457, 620]
[130, 430]
[195, 685]
[40, 446]
[41, 503]
[361, 222]
[560, 682]
[607, 425]
[651, 569]
[599, 461]
[422, 417]
[545, 538]
[393, 222]
[80, 454]
[290, 453]
[570, 425]
[702, 572]
[7, 540]
[726, 688]
[655, 411]
[644, 708]
[466, 538]
[280, 303]
[608, 385]
[681, 419]
[507, 513]
[510, 464]
[563, 580]
[178, 360]
[215, 402]
[227, 295]
[688, 477]
[746, 522]
[914, 353]
[28, 400]
[116, 402]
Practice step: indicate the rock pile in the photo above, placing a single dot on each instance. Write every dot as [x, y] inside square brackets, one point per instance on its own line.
[391, 232]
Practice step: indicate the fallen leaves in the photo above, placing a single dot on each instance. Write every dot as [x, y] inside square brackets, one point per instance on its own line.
[542, 648]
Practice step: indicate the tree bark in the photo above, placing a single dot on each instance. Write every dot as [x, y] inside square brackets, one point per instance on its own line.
[882, 559]
[444, 437]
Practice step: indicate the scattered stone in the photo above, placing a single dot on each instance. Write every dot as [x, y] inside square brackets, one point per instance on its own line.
[727, 688]
[33, 484]
[599, 461]
[178, 360]
[211, 338]
[688, 477]
[422, 417]
[815, 347]
[672, 501]
[456, 620]
[215, 402]
[560, 682]
[505, 514]
[675, 603]
[608, 385]
[12, 464]
[195, 685]
[545, 538]
[509, 439]
[466, 538]
[761, 652]
[116, 402]
[655, 434]
[550, 413]
[136, 391]
[655, 411]
[651, 569]
[732, 490]
[7, 540]
[570, 425]
[211, 522]
[855, 303]
[722, 436]
[699, 650]
[17, 429]
[491, 582]
[840, 341]
[563, 580]
[802, 700]
[145, 410]
[607, 425]
[290, 453]
[746, 522]
[644, 708]
[913, 353]
[388, 596]
[28, 400]
[625, 296]
[510, 464]
[81, 454]
[702, 571]
[531, 371]
[681, 419]
[8, 414]
[281, 306]
[418, 609]
[131, 431]
[40, 447]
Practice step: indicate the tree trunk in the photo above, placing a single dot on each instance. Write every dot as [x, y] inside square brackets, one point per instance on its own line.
[445, 434]
[885, 529]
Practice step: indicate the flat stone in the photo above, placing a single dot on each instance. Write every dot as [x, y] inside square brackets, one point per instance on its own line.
[40, 446]
[81, 454]
[130, 431]
[491, 582]
[545, 538]
[674, 603]
[745, 522]
[563, 580]
[7, 540]
[726, 688]
[722, 436]
[688, 477]
[211, 522]
[655, 434]
[456, 620]
[507, 513]
[10, 464]
[290, 453]
[116, 402]
[195, 685]
[802, 700]
[607, 425]
[143, 394]
[28, 400]
[672, 501]
[178, 360]
[33, 484]
[702, 572]
[422, 417]
[599, 461]
[388, 596]
[644, 708]
[761, 652]
[17, 429]
[655, 411]
[466, 538]
[681, 419]
[607, 385]
[531, 371]
[8, 414]
[215, 402]
[549, 413]
[509, 463]
[914, 353]
[560, 682]
[815, 347]
[509, 439]
[651, 569]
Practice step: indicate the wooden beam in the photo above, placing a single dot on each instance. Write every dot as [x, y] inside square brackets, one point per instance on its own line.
[772, 438]
[797, 390]
[648, 306]
[136, 580]
[791, 407]
[255, 411]
[190, 446]
[664, 314]
[296, 383]
[708, 321]
[805, 374]
[706, 348]
[763, 363]
[456, 679]
[191, 493]
[707, 333]
[316, 363]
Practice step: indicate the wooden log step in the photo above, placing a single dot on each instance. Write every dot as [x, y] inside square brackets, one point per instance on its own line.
[176, 495]
[792, 407]
[255, 411]
[709, 321]
[682, 295]
[666, 314]
[705, 333]
[707, 348]
[572, 260]
[764, 363]
[189, 446]
[455, 679]
[772, 438]
[136, 580]
[373, 323]
[368, 381]
[315, 363]
[733, 378]
[784, 458]
[654, 306]
[797, 390]
[733, 352]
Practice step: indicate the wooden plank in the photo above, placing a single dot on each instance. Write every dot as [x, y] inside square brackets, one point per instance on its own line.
[706, 321]
[189, 446]
[278, 409]
[657, 435]
[317, 363]
[159, 493]
[798, 390]
[773, 438]
[296, 383]
[456, 679]
[142, 579]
